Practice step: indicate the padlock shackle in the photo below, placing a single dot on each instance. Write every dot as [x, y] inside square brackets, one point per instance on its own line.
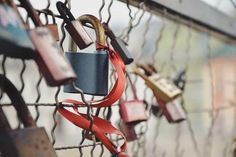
[65, 12]
[108, 31]
[17, 101]
[148, 69]
[31, 12]
[98, 27]
[133, 88]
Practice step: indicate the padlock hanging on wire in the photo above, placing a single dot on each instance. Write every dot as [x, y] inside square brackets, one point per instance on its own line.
[74, 27]
[51, 62]
[132, 111]
[53, 27]
[118, 45]
[91, 68]
[128, 130]
[28, 142]
[14, 40]
[164, 91]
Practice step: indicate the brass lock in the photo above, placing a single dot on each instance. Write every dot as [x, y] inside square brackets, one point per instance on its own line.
[51, 62]
[28, 142]
[161, 87]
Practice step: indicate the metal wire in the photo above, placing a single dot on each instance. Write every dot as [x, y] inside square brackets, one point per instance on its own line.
[138, 147]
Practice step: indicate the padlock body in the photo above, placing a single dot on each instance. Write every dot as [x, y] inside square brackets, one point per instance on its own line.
[14, 40]
[54, 31]
[174, 113]
[79, 34]
[51, 62]
[91, 70]
[121, 48]
[163, 88]
[133, 111]
[28, 142]
[128, 130]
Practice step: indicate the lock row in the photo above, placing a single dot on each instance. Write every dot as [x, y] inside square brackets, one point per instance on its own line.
[39, 44]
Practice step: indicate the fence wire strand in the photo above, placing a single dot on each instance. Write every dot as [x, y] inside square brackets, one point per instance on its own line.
[139, 147]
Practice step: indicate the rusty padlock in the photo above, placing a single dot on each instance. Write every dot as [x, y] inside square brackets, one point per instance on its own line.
[51, 62]
[128, 130]
[28, 142]
[91, 68]
[173, 111]
[14, 40]
[118, 45]
[52, 26]
[133, 111]
[74, 27]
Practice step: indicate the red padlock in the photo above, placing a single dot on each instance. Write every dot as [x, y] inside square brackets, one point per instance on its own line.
[133, 111]
[128, 130]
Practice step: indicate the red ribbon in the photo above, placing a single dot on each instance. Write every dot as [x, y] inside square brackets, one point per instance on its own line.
[101, 127]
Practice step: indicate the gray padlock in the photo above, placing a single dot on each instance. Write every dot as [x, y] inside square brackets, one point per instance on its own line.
[91, 68]
[28, 142]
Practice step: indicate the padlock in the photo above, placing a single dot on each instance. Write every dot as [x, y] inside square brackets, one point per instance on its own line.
[53, 26]
[133, 111]
[28, 142]
[91, 68]
[51, 62]
[128, 130]
[163, 88]
[118, 45]
[14, 40]
[173, 111]
[74, 27]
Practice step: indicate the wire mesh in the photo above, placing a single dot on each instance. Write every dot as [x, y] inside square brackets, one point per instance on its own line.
[167, 45]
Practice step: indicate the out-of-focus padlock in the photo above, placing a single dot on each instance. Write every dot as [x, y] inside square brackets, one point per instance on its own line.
[162, 88]
[14, 40]
[51, 62]
[91, 68]
[165, 92]
[173, 111]
[118, 45]
[28, 142]
[52, 26]
[128, 130]
[74, 27]
[132, 111]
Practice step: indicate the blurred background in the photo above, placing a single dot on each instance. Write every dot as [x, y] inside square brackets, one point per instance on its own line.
[209, 95]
